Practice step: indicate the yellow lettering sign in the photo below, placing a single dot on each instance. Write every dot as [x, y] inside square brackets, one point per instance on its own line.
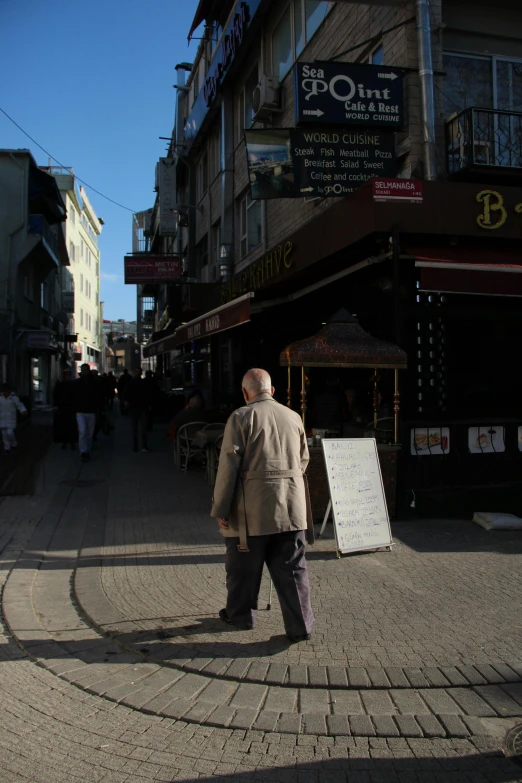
[493, 203]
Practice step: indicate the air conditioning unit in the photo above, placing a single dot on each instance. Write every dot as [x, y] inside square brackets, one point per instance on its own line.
[266, 98]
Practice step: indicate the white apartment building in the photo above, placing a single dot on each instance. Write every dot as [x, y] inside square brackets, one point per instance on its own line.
[82, 230]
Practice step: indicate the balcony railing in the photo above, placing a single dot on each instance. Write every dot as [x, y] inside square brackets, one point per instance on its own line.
[39, 225]
[483, 139]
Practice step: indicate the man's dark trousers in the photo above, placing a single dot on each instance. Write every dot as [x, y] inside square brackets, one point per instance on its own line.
[284, 554]
[139, 421]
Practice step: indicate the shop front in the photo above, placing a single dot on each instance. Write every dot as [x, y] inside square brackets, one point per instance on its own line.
[437, 276]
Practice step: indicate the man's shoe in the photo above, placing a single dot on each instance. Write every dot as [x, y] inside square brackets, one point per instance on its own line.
[226, 619]
[295, 639]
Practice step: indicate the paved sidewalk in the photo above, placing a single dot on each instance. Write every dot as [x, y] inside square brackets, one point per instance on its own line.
[115, 668]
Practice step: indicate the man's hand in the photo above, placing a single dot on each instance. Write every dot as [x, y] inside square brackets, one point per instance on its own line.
[223, 524]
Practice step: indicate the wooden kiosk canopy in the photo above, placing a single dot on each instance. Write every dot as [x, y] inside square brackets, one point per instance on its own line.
[342, 342]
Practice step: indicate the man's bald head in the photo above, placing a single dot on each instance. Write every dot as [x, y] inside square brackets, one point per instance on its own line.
[256, 381]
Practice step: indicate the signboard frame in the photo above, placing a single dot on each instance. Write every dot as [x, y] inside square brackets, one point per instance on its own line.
[385, 544]
[340, 93]
[152, 264]
[317, 162]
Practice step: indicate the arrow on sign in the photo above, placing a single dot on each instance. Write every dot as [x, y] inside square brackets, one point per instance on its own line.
[391, 76]
[306, 190]
[315, 112]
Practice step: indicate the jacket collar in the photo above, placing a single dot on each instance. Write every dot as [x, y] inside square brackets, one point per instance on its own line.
[261, 398]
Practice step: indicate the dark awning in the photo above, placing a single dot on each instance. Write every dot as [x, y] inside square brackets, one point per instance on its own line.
[202, 12]
[477, 271]
[222, 318]
[343, 343]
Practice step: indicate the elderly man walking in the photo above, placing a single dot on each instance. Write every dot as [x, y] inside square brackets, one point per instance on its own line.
[261, 508]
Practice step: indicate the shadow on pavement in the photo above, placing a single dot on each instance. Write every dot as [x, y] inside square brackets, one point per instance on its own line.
[422, 769]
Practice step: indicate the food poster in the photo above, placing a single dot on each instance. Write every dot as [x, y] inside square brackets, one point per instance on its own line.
[488, 439]
[427, 441]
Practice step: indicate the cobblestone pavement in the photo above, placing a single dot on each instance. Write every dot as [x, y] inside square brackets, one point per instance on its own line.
[114, 667]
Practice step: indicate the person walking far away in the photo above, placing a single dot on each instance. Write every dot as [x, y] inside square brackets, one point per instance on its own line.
[86, 399]
[123, 382]
[9, 404]
[65, 430]
[260, 504]
[138, 399]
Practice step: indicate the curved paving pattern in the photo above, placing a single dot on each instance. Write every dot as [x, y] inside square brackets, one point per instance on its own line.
[101, 622]
[64, 683]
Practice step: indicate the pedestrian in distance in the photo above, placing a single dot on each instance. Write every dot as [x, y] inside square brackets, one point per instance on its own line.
[110, 389]
[9, 405]
[138, 400]
[123, 382]
[261, 507]
[65, 429]
[86, 400]
[154, 394]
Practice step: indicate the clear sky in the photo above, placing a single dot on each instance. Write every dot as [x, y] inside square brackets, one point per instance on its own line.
[92, 83]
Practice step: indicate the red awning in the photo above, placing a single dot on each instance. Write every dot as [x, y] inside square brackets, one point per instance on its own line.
[222, 318]
[477, 271]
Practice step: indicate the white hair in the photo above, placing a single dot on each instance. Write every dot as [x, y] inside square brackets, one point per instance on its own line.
[257, 381]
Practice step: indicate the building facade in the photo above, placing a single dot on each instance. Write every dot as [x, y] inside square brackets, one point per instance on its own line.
[424, 247]
[35, 279]
[82, 230]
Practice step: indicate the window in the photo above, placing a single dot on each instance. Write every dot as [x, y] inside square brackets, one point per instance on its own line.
[72, 215]
[294, 29]
[81, 248]
[246, 109]
[216, 243]
[250, 223]
[377, 56]
[72, 251]
[201, 255]
[214, 151]
[81, 284]
[481, 82]
[81, 317]
[202, 177]
[43, 296]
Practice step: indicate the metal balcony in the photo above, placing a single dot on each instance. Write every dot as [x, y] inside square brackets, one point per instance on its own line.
[480, 140]
[39, 225]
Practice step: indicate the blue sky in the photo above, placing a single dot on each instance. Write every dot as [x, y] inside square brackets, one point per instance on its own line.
[92, 83]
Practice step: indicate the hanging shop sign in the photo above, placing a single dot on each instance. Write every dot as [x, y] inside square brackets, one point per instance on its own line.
[409, 190]
[168, 219]
[349, 94]
[296, 163]
[152, 269]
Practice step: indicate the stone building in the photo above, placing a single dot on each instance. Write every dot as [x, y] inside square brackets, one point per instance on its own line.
[426, 252]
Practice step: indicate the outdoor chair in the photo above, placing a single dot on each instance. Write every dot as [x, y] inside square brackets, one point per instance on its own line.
[185, 448]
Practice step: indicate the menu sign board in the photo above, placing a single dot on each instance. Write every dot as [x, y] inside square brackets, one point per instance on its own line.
[330, 93]
[297, 163]
[360, 513]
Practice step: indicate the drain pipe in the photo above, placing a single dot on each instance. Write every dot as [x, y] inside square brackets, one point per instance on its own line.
[427, 90]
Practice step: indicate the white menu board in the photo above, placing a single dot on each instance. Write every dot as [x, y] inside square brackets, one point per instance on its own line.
[360, 513]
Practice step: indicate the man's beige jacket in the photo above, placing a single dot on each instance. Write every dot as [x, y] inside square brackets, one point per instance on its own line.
[259, 484]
